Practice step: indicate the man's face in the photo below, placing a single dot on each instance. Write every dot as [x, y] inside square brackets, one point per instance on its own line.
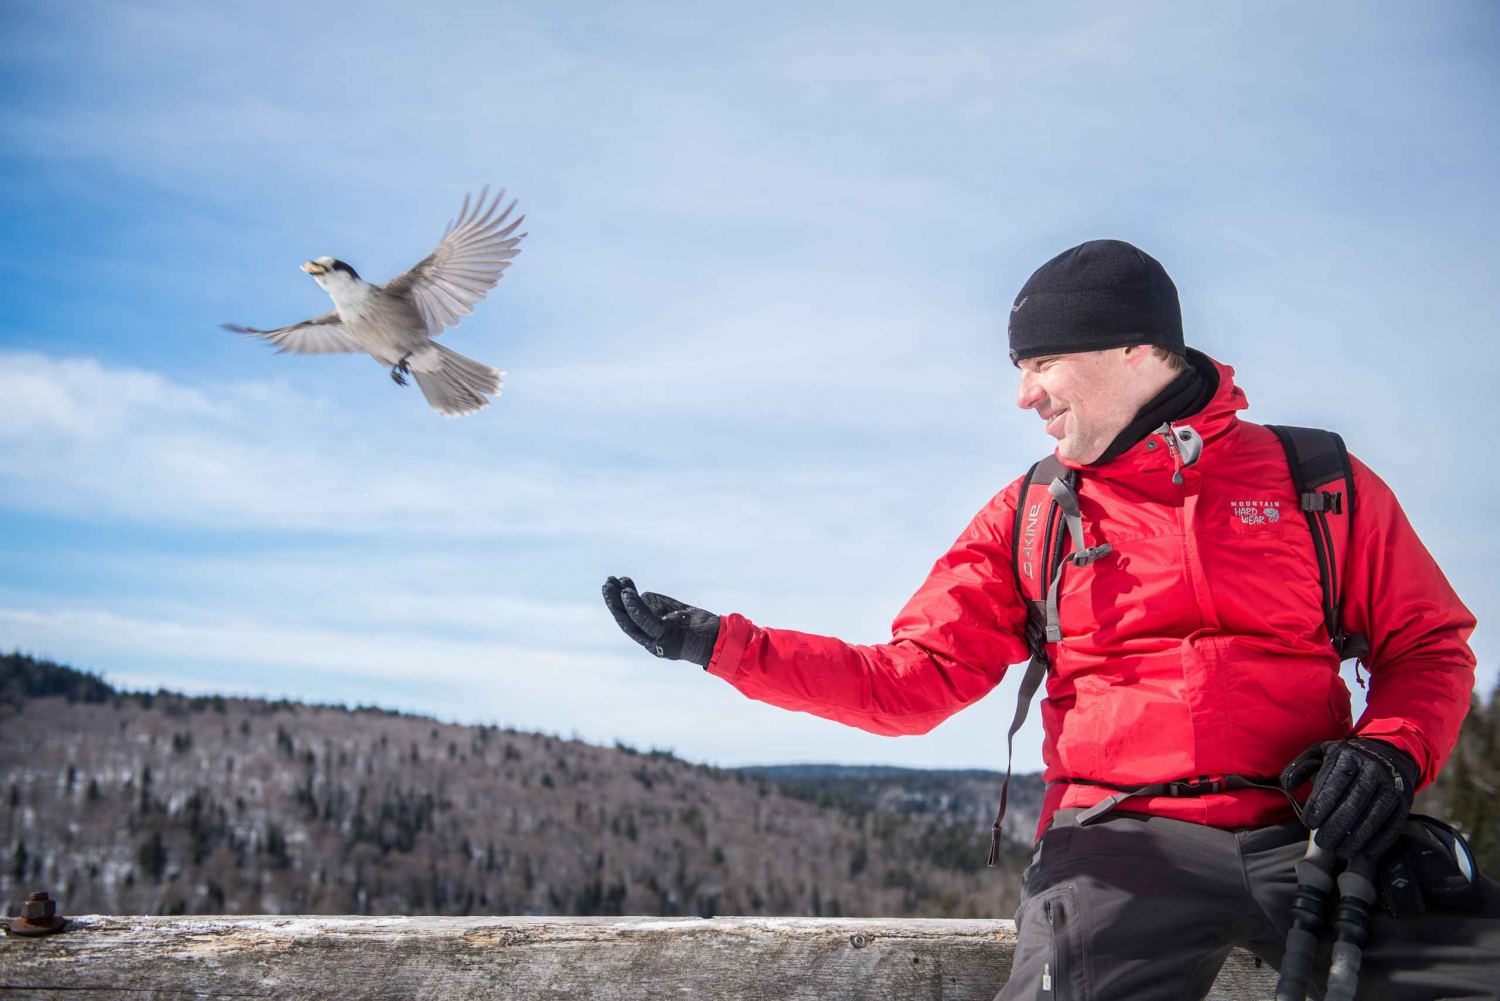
[1086, 399]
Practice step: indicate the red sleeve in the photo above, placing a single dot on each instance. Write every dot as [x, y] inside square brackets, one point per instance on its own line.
[949, 646]
[1421, 667]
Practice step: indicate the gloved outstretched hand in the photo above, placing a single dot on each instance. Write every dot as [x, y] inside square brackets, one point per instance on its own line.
[665, 626]
[1362, 791]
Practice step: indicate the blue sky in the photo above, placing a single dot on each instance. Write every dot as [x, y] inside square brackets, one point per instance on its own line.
[754, 344]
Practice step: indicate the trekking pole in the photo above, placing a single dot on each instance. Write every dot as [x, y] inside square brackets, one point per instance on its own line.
[1356, 896]
[1314, 886]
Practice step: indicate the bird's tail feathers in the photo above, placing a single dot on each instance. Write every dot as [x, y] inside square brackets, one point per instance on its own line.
[453, 384]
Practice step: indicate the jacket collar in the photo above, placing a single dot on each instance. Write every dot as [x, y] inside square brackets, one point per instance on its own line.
[1211, 423]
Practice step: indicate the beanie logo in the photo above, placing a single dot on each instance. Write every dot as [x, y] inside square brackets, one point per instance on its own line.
[1017, 307]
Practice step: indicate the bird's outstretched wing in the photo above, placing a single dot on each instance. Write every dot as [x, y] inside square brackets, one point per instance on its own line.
[322, 335]
[475, 250]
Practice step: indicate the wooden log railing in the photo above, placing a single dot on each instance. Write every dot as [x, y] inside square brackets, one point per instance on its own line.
[559, 959]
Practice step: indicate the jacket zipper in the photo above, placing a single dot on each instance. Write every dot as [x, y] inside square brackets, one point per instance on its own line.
[1208, 614]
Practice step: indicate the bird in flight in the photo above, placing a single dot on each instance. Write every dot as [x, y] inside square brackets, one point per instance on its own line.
[395, 323]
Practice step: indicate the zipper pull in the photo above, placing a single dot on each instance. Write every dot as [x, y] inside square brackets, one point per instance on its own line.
[1046, 976]
[1169, 437]
[1185, 446]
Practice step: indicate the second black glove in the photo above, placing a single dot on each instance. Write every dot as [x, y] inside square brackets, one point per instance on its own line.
[1362, 791]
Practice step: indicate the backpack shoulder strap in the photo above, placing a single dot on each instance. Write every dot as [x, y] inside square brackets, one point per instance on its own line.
[1034, 556]
[1031, 540]
[1324, 483]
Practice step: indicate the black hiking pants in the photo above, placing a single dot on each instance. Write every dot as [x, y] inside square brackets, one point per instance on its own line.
[1137, 907]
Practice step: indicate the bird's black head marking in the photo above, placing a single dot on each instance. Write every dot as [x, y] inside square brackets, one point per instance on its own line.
[346, 269]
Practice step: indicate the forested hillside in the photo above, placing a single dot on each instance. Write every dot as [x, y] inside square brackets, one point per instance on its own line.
[160, 803]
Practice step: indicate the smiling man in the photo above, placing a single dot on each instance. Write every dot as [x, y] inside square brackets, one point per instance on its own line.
[1187, 583]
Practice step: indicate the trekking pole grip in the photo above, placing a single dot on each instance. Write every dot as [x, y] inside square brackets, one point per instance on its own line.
[1356, 897]
[1314, 886]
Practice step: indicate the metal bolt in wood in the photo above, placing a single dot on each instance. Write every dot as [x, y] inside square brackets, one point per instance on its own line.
[38, 917]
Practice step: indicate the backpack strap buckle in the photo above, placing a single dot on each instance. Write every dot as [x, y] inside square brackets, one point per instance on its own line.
[1203, 785]
[1084, 557]
[1067, 501]
[1329, 501]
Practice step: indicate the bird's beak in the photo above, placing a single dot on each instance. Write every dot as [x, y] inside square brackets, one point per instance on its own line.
[313, 268]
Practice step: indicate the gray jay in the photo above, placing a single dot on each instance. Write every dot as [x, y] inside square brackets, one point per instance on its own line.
[395, 323]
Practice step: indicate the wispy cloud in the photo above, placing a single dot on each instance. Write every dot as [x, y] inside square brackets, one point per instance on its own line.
[91, 441]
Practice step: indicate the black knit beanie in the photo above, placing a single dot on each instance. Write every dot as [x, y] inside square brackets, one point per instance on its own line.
[1101, 294]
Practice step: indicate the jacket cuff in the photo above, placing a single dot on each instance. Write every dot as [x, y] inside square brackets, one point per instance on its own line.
[1403, 739]
[729, 648]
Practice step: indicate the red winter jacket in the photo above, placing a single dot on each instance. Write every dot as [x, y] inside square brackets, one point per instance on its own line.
[1197, 647]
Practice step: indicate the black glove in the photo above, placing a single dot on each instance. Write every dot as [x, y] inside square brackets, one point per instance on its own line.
[663, 625]
[1360, 796]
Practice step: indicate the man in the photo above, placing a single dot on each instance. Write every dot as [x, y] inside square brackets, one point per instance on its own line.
[1187, 642]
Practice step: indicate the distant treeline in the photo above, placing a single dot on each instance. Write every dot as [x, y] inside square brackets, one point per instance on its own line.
[22, 678]
[135, 802]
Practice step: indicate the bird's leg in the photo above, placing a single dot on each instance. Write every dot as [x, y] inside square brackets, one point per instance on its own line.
[398, 374]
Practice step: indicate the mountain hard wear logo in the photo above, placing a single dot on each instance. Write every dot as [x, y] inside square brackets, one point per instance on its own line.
[1256, 512]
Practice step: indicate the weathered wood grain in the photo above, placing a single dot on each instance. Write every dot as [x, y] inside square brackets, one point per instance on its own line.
[558, 959]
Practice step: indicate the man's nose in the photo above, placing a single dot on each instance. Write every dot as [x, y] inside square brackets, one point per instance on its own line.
[1029, 394]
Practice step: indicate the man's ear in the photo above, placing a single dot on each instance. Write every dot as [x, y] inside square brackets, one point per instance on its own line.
[1136, 354]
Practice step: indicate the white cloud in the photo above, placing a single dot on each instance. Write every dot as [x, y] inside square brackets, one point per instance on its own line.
[80, 399]
[381, 655]
[122, 443]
